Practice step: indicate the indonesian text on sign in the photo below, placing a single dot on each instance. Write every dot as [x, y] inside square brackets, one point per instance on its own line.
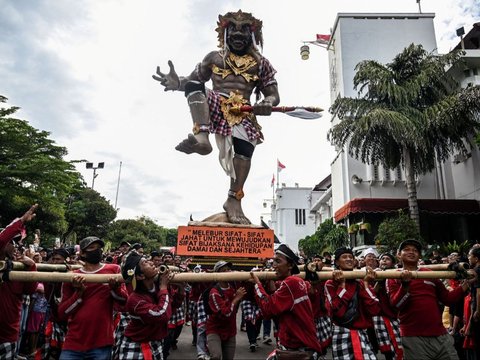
[228, 242]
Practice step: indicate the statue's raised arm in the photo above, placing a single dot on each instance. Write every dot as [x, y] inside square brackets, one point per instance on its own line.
[236, 71]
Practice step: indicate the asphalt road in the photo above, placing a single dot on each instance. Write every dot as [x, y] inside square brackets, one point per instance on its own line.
[186, 351]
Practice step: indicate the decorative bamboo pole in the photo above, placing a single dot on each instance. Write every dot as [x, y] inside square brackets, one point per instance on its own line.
[223, 276]
[40, 266]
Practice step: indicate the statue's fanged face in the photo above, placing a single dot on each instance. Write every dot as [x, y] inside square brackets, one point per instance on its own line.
[239, 37]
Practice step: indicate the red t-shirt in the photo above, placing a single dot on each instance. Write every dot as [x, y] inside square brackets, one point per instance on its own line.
[317, 298]
[149, 314]
[90, 317]
[419, 310]
[11, 296]
[223, 320]
[291, 305]
[11, 292]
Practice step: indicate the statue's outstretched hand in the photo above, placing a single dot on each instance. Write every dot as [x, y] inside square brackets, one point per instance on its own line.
[170, 81]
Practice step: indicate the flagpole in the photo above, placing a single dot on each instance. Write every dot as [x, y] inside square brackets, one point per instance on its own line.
[278, 175]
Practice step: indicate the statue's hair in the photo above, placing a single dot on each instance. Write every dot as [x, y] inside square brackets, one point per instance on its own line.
[239, 17]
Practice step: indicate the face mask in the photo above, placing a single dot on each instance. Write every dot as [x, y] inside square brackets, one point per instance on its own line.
[93, 257]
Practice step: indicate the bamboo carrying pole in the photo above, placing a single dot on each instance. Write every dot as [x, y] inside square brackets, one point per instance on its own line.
[40, 267]
[223, 276]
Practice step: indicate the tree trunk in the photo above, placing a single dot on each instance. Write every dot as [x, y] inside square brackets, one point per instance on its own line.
[411, 189]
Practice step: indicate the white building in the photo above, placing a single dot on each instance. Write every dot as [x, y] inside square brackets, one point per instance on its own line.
[359, 189]
[291, 216]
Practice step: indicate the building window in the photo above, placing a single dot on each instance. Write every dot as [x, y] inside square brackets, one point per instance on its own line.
[374, 172]
[386, 174]
[398, 173]
[300, 217]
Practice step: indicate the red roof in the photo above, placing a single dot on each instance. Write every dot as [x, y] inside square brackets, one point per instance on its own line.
[432, 206]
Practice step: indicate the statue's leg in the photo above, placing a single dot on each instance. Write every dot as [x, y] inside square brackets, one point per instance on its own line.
[241, 163]
[197, 142]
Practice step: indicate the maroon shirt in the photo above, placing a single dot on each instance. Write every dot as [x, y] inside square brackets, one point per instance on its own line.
[149, 314]
[291, 305]
[339, 298]
[223, 320]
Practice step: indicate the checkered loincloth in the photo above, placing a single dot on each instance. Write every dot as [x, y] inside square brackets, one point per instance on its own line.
[54, 338]
[218, 123]
[130, 350]
[192, 312]
[7, 350]
[324, 329]
[201, 314]
[346, 343]
[120, 334]
[388, 335]
[177, 319]
[250, 310]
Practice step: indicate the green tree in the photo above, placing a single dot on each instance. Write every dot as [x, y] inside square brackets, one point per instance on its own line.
[32, 170]
[409, 112]
[392, 231]
[329, 236]
[142, 230]
[88, 214]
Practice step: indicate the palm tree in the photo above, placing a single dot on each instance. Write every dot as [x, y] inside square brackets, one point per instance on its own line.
[409, 112]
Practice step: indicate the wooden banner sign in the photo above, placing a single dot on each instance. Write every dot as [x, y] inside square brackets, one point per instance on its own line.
[225, 242]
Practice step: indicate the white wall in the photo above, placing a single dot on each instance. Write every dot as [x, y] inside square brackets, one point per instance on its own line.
[379, 37]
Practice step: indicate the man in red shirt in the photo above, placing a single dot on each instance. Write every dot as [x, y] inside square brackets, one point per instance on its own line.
[11, 291]
[350, 339]
[417, 300]
[149, 306]
[88, 307]
[222, 323]
[290, 304]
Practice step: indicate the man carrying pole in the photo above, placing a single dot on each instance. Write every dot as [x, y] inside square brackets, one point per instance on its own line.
[88, 307]
[11, 291]
[417, 300]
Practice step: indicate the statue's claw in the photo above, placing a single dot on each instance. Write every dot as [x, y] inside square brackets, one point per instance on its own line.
[192, 145]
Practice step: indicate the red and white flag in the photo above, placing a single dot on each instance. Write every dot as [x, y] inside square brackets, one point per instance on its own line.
[280, 166]
[273, 180]
[323, 39]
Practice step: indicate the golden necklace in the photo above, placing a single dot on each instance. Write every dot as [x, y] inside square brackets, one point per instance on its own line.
[238, 65]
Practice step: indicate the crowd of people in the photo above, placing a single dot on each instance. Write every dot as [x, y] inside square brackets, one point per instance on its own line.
[143, 316]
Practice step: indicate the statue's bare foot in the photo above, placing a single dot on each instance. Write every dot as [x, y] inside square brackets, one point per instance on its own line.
[195, 144]
[235, 214]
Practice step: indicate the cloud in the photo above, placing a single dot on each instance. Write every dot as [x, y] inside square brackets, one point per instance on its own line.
[34, 77]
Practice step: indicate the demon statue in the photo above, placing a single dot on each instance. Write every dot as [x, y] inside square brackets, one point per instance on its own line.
[236, 70]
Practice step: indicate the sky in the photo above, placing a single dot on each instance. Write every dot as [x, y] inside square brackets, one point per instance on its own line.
[82, 71]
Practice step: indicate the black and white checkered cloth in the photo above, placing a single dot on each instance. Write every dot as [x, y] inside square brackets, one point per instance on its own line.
[178, 318]
[324, 329]
[192, 312]
[250, 310]
[385, 329]
[201, 314]
[130, 350]
[7, 350]
[54, 338]
[119, 335]
[342, 344]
